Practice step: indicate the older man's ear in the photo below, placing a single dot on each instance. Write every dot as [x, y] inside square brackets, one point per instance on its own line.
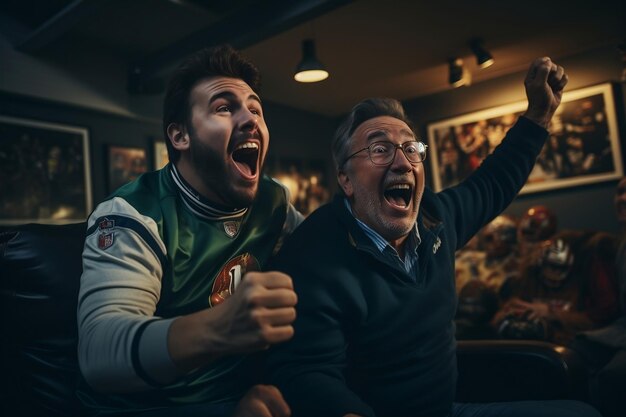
[344, 182]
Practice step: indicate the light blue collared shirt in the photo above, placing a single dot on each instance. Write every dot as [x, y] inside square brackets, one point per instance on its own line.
[410, 262]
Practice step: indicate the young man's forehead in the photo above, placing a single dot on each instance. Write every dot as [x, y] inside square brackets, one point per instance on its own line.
[212, 86]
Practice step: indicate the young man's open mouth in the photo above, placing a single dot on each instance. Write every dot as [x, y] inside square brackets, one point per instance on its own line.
[246, 158]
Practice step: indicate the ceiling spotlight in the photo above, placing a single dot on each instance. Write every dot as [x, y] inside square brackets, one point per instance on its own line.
[456, 77]
[483, 57]
[310, 69]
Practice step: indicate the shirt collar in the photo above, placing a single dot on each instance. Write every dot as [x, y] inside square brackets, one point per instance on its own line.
[197, 203]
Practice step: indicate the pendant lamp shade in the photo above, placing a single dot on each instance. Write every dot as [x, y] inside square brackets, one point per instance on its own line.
[310, 69]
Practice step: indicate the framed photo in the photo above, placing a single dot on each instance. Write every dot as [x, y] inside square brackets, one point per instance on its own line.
[160, 154]
[124, 165]
[44, 172]
[306, 180]
[583, 146]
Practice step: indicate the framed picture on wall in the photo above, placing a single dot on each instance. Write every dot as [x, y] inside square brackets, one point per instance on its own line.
[160, 154]
[44, 172]
[124, 165]
[583, 146]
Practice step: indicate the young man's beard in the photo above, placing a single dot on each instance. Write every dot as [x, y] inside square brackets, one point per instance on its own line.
[214, 173]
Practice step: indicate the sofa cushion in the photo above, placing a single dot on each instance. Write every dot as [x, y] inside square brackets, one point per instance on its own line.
[40, 269]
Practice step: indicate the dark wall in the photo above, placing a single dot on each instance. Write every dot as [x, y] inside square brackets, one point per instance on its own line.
[579, 207]
[296, 134]
[293, 133]
[104, 129]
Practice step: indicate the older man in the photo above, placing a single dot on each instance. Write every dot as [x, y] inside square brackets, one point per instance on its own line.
[374, 270]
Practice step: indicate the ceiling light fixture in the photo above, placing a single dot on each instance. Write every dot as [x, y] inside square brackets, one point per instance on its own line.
[457, 73]
[310, 69]
[483, 57]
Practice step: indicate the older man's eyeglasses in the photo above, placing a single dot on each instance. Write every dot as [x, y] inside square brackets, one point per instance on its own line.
[383, 153]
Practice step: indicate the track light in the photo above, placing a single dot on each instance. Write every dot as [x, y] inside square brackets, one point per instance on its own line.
[310, 69]
[456, 77]
[483, 57]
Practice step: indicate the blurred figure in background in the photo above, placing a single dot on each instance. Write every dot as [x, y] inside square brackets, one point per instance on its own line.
[477, 305]
[482, 274]
[466, 262]
[570, 289]
[501, 255]
[536, 225]
[604, 349]
[494, 257]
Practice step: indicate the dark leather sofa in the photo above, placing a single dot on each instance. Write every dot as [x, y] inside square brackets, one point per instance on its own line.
[40, 268]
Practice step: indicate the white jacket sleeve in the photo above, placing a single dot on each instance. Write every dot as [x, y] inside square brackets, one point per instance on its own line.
[122, 345]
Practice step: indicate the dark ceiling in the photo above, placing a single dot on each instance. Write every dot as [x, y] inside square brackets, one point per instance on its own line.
[371, 47]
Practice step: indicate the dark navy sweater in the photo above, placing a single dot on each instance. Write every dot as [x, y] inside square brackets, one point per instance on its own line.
[369, 339]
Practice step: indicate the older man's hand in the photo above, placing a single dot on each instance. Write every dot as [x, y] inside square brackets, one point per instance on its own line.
[544, 84]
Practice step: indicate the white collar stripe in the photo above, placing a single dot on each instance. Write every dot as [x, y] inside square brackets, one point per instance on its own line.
[191, 198]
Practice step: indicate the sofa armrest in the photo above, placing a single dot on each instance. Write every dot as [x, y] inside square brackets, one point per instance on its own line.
[514, 370]
[40, 269]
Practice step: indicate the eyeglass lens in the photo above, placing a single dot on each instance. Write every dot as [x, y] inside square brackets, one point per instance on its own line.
[382, 153]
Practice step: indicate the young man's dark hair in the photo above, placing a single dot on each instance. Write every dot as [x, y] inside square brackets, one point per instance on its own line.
[220, 60]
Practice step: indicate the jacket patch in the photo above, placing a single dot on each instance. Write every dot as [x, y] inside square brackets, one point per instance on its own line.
[230, 276]
[231, 228]
[106, 224]
[436, 245]
[105, 240]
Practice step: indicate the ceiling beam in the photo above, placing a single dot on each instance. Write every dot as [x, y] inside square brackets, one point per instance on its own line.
[13, 30]
[241, 29]
[58, 24]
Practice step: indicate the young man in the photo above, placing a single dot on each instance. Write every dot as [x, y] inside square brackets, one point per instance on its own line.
[160, 323]
[374, 270]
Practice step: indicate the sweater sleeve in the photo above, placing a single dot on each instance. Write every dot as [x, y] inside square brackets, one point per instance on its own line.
[494, 185]
[309, 369]
[122, 345]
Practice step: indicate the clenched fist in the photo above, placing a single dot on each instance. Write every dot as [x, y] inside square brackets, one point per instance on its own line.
[544, 84]
[259, 313]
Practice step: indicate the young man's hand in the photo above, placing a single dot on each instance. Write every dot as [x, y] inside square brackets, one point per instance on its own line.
[259, 313]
